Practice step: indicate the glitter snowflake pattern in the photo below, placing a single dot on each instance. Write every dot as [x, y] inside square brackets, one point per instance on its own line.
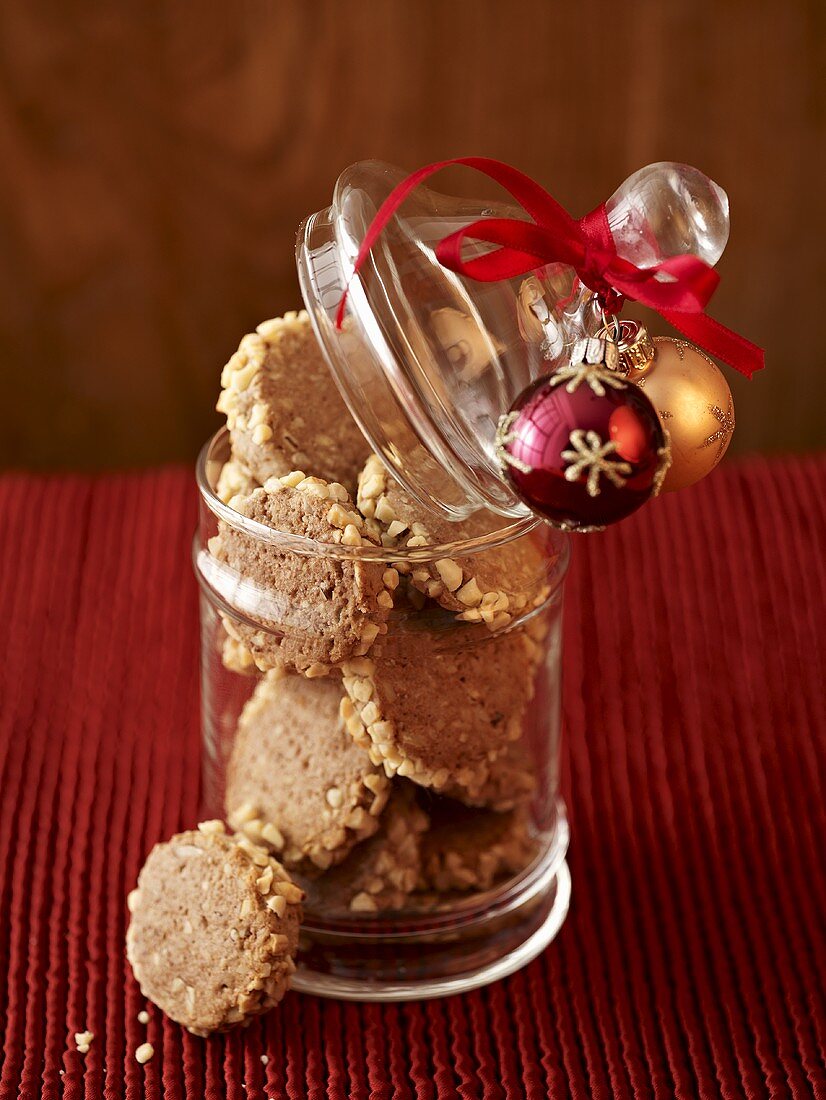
[504, 436]
[726, 422]
[597, 375]
[591, 454]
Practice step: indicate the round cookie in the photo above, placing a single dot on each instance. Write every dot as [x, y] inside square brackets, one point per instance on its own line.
[440, 717]
[467, 849]
[381, 873]
[283, 409]
[214, 928]
[296, 780]
[317, 611]
[493, 586]
[234, 480]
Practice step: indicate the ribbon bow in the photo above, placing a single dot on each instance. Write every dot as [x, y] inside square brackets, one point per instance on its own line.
[678, 289]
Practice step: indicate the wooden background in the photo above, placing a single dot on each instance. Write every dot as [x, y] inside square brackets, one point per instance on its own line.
[155, 159]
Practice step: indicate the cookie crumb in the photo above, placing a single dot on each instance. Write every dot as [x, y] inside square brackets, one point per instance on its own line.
[83, 1040]
[144, 1053]
[143, 1017]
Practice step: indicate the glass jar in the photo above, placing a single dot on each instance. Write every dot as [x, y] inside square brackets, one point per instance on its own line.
[448, 871]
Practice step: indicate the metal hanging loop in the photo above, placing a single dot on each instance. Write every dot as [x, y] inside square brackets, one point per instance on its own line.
[607, 321]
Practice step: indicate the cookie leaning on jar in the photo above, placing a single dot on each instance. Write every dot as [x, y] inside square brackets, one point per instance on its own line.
[214, 929]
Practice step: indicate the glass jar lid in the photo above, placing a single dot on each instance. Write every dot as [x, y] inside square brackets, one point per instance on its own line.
[429, 361]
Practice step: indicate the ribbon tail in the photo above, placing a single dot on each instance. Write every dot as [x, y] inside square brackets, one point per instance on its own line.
[717, 340]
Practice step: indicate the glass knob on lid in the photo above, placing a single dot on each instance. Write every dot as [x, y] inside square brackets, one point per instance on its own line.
[666, 210]
[663, 210]
[429, 361]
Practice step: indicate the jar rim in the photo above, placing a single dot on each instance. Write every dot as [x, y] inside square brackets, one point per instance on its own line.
[303, 544]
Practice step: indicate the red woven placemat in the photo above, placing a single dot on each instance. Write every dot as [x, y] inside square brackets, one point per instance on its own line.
[692, 963]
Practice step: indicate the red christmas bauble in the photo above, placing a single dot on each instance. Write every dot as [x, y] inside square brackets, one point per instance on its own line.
[583, 448]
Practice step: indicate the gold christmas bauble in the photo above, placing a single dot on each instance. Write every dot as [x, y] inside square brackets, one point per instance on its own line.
[694, 403]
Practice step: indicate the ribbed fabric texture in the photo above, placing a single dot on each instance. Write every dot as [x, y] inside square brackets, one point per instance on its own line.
[692, 962]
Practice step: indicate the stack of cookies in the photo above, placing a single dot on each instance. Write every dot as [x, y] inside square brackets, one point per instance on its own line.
[380, 762]
[380, 756]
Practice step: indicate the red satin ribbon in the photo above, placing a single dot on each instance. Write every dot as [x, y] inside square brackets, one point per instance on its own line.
[586, 245]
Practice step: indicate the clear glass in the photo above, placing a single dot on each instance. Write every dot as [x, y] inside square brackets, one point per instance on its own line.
[439, 939]
[668, 209]
[427, 361]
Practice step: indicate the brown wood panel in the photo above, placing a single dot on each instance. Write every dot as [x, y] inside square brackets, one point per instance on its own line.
[156, 157]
